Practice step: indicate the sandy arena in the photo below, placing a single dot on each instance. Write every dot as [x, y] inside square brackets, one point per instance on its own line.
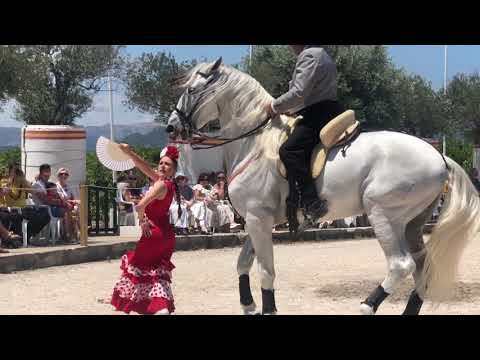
[324, 278]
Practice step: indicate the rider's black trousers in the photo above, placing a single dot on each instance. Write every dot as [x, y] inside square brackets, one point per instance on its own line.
[296, 152]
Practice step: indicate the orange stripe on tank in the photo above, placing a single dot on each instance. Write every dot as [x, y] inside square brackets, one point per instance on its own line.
[55, 135]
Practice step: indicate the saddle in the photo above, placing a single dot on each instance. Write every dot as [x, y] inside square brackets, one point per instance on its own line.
[338, 132]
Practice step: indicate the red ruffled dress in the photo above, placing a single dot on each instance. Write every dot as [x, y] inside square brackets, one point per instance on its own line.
[146, 272]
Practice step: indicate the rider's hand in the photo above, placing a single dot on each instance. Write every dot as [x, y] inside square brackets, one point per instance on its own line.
[269, 109]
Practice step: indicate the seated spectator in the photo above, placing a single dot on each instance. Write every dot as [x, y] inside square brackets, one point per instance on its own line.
[57, 205]
[133, 187]
[201, 209]
[146, 187]
[8, 237]
[126, 215]
[39, 195]
[182, 223]
[225, 215]
[70, 220]
[16, 188]
[185, 190]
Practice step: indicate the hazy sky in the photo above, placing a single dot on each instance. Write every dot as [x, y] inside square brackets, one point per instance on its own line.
[425, 60]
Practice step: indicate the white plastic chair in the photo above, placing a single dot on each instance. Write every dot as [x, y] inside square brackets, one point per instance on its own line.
[120, 200]
[54, 227]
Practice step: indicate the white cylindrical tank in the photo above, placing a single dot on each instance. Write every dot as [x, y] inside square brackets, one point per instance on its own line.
[59, 146]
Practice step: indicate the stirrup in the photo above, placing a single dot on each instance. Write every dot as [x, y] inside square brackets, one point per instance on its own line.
[315, 210]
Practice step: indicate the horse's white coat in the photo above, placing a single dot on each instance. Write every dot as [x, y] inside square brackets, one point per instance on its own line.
[392, 177]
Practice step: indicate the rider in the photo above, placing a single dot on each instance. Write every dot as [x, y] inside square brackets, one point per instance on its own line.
[313, 95]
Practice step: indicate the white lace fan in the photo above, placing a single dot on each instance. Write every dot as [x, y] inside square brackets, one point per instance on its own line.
[111, 156]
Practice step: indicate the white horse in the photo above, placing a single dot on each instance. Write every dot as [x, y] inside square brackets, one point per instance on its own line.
[396, 179]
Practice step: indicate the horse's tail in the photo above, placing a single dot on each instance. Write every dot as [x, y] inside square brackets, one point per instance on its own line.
[459, 222]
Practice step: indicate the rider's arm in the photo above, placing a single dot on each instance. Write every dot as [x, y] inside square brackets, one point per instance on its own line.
[305, 73]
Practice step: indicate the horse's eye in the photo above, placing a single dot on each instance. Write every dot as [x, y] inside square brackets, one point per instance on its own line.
[191, 89]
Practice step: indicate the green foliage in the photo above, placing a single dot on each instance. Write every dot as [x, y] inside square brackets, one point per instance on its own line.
[463, 99]
[461, 152]
[272, 66]
[418, 108]
[8, 68]
[55, 83]
[382, 96]
[148, 81]
[99, 175]
[8, 157]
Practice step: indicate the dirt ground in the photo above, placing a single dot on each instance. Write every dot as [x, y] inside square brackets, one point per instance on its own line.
[325, 278]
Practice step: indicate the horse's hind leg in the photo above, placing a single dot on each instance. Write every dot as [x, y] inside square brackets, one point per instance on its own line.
[244, 265]
[390, 232]
[416, 245]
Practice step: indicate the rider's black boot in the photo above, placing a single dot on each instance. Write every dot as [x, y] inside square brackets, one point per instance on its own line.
[292, 207]
[314, 208]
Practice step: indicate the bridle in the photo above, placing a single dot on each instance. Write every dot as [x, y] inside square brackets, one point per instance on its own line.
[199, 140]
[202, 141]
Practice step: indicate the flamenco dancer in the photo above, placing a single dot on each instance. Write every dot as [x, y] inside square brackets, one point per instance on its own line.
[144, 286]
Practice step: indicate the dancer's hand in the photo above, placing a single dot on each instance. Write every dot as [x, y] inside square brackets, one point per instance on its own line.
[145, 225]
[140, 210]
[125, 148]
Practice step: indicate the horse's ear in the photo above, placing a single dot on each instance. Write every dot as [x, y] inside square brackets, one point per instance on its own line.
[216, 65]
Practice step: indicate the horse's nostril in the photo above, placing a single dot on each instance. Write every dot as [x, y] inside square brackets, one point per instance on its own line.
[170, 129]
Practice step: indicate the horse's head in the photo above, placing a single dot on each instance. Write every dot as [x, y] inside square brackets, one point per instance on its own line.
[195, 109]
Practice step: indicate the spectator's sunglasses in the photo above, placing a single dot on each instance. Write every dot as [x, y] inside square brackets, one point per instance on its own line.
[64, 175]
[204, 179]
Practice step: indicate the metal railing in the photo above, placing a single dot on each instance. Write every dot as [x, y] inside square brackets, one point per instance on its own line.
[102, 210]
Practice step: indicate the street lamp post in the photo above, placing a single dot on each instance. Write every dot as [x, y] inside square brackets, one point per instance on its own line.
[445, 92]
[112, 130]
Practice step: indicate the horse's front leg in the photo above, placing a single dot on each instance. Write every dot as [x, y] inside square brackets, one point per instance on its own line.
[244, 265]
[259, 226]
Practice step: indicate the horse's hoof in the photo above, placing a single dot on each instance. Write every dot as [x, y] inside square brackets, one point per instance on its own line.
[250, 309]
[366, 309]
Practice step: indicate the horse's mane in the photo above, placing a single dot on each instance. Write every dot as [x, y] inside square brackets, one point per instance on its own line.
[248, 98]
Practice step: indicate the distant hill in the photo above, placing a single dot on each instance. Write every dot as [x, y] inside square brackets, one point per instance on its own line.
[10, 136]
[121, 132]
[156, 138]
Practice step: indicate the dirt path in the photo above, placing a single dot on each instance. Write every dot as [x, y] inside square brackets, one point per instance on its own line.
[312, 278]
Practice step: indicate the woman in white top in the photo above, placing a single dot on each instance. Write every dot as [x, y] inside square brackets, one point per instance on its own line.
[201, 209]
[70, 220]
[225, 218]
[181, 223]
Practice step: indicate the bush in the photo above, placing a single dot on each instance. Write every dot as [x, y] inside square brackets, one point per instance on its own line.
[7, 157]
[461, 152]
[99, 175]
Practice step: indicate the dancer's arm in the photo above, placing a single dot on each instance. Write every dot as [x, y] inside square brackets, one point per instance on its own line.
[140, 163]
[157, 191]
